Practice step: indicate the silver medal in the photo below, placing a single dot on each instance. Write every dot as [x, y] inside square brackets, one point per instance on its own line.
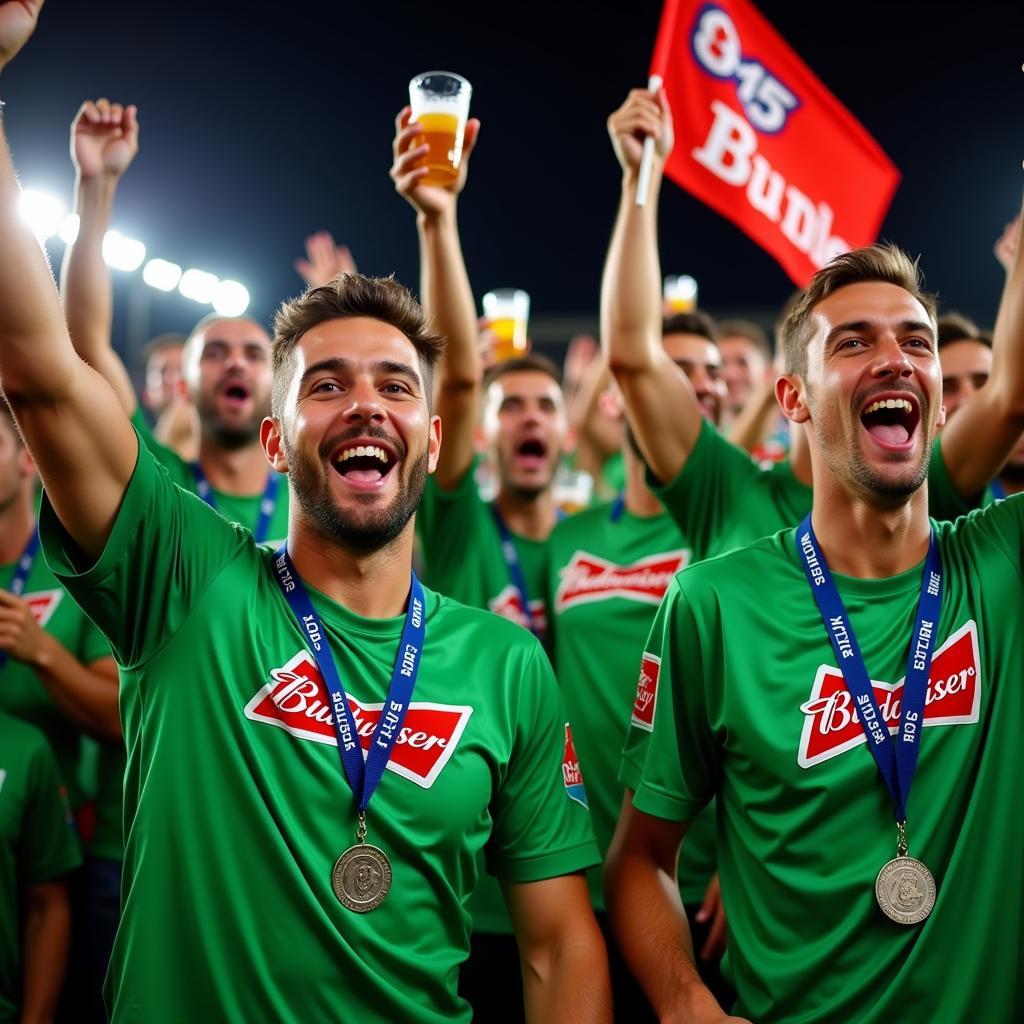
[905, 890]
[362, 878]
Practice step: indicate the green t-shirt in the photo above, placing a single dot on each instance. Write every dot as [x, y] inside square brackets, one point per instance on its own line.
[236, 806]
[607, 578]
[243, 509]
[37, 842]
[462, 554]
[722, 500]
[23, 695]
[107, 839]
[746, 704]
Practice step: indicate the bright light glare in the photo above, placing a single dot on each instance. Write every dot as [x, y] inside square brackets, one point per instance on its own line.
[122, 253]
[231, 298]
[162, 274]
[69, 229]
[42, 212]
[198, 285]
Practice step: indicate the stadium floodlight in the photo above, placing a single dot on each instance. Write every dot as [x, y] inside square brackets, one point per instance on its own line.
[122, 253]
[42, 212]
[198, 285]
[69, 229]
[231, 298]
[162, 274]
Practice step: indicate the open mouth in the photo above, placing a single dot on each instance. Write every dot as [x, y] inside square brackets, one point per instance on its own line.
[892, 421]
[364, 463]
[532, 452]
[236, 392]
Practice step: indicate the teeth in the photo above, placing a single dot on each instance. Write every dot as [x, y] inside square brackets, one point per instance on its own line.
[889, 403]
[362, 452]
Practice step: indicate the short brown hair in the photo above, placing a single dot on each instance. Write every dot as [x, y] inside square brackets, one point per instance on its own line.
[886, 263]
[696, 321]
[755, 334]
[352, 295]
[161, 343]
[532, 362]
[956, 327]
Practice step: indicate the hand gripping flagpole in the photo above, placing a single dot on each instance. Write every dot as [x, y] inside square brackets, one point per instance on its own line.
[643, 183]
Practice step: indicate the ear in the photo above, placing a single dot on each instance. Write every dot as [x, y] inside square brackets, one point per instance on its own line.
[941, 420]
[789, 390]
[609, 402]
[26, 464]
[433, 443]
[273, 444]
[479, 439]
[569, 440]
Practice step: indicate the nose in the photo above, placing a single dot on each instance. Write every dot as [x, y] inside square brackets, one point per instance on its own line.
[891, 360]
[364, 404]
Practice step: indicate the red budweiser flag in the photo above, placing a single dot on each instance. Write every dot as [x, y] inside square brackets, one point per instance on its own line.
[762, 141]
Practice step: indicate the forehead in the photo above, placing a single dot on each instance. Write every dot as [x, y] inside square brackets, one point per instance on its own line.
[233, 332]
[965, 357]
[525, 384]
[738, 346]
[873, 302]
[692, 348]
[356, 340]
[167, 356]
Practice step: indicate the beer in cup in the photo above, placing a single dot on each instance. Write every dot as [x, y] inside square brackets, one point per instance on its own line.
[440, 104]
[508, 310]
[680, 294]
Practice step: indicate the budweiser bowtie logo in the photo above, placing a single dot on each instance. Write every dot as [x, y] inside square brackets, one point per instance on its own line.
[43, 603]
[295, 700]
[571, 774]
[831, 725]
[646, 692]
[509, 606]
[589, 578]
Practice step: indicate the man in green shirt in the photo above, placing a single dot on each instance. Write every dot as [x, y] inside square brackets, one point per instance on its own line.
[37, 850]
[225, 361]
[236, 803]
[757, 689]
[719, 498]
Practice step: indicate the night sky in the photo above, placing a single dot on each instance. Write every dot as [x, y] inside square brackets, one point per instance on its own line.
[262, 123]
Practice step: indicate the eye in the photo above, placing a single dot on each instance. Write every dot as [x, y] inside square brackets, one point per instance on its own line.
[394, 387]
[921, 343]
[850, 343]
[324, 387]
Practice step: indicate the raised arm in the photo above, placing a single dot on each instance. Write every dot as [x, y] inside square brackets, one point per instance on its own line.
[445, 293]
[561, 952]
[647, 916]
[660, 404]
[986, 429]
[104, 141]
[75, 428]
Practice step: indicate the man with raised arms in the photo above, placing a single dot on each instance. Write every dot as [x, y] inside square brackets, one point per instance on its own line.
[264, 880]
[719, 498]
[852, 858]
[225, 361]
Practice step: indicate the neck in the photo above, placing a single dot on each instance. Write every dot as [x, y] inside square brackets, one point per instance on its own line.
[373, 585]
[17, 521]
[800, 454]
[862, 538]
[532, 517]
[241, 471]
[641, 501]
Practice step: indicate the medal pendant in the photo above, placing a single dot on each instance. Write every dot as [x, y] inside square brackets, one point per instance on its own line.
[361, 878]
[905, 890]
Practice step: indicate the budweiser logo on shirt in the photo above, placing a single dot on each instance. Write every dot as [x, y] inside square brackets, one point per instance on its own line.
[589, 578]
[571, 774]
[296, 700]
[509, 606]
[646, 692]
[831, 725]
[42, 604]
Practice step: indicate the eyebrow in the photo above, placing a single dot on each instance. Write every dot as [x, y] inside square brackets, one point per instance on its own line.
[867, 326]
[339, 365]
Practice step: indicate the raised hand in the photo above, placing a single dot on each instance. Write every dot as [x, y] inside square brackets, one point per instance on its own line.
[643, 114]
[18, 20]
[430, 200]
[104, 139]
[324, 260]
[1006, 244]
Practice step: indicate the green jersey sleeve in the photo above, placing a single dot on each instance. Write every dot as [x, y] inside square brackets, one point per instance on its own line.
[703, 497]
[167, 457]
[444, 521]
[49, 847]
[165, 549]
[944, 501]
[675, 770]
[541, 818]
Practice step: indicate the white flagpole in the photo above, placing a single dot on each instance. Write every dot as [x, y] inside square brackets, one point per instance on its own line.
[643, 183]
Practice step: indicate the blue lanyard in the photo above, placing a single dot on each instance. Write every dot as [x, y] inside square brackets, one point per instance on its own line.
[998, 490]
[515, 570]
[267, 502]
[896, 759]
[618, 507]
[20, 577]
[363, 776]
